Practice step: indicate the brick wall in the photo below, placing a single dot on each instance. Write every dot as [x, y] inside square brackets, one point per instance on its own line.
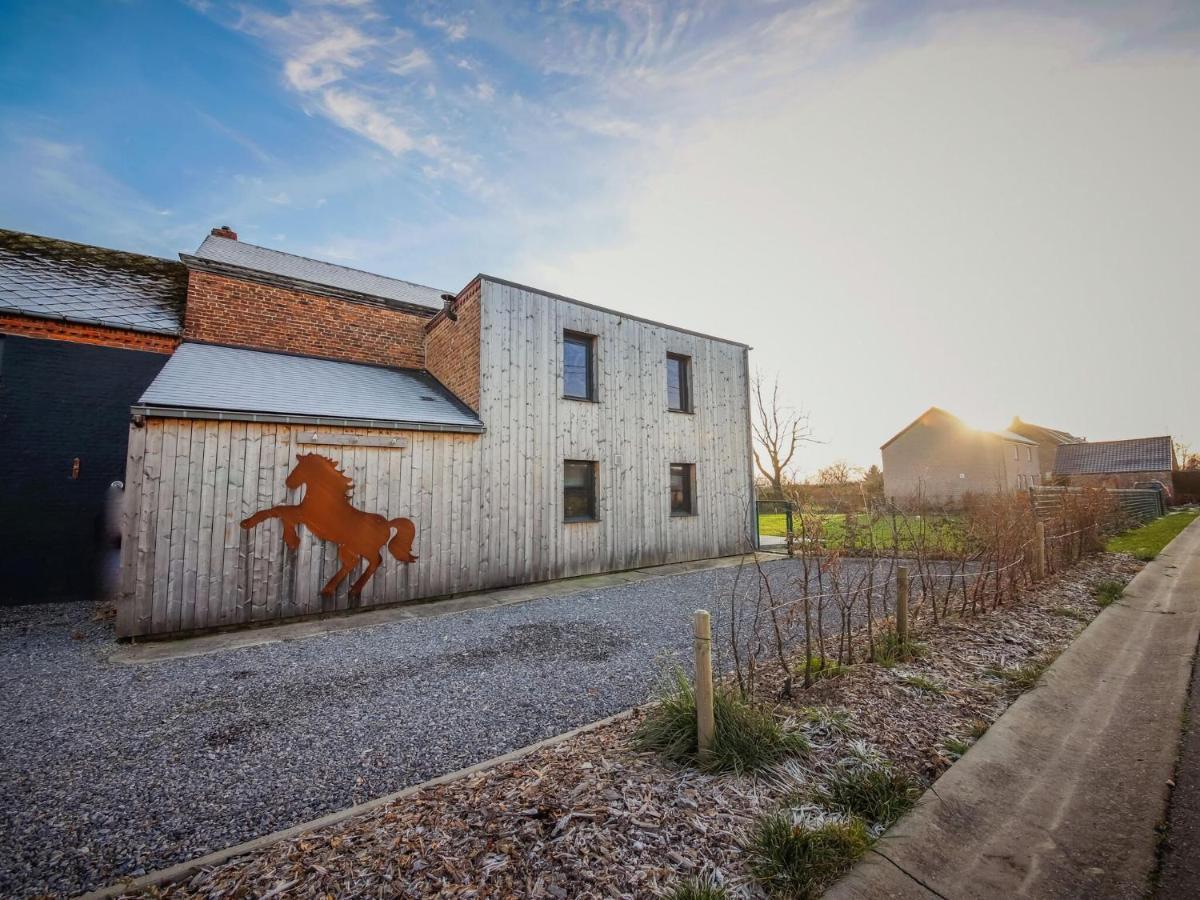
[98, 335]
[232, 311]
[452, 347]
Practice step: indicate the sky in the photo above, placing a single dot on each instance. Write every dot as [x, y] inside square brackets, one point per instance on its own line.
[992, 208]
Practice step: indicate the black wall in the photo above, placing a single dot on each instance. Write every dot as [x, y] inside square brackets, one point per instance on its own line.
[59, 401]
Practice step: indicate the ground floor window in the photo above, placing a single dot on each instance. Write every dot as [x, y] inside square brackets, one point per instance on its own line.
[683, 489]
[579, 490]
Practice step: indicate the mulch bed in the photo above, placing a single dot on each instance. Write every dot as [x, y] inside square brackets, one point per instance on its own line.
[591, 818]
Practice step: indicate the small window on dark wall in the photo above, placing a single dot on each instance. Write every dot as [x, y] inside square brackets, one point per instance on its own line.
[579, 366]
[579, 490]
[679, 383]
[683, 489]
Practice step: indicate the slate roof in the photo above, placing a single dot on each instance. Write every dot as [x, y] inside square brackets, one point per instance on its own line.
[239, 254]
[53, 279]
[1154, 454]
[203, 381]
[1041, 433]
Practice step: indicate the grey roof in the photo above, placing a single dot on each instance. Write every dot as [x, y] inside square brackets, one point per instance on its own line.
[231, 252]
[53, 279]
[1041, 433]
[1013, 436]
[206, 381]
[1154, 454]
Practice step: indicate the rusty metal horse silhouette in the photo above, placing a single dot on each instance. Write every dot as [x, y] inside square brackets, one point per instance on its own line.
[327, 513]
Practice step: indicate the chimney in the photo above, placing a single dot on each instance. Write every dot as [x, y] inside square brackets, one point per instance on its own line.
[224, 231]
[451, 312]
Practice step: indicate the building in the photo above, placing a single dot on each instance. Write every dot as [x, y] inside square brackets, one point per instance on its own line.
[942, 459]
[327, 439]
[83, 332]
[1048, 441]
[1138, 462]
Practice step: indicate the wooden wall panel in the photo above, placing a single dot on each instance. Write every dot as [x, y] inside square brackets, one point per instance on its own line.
[487, 508]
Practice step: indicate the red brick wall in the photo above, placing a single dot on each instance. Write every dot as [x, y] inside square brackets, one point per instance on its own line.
[452, 347]
[100, 335]
[224, 310]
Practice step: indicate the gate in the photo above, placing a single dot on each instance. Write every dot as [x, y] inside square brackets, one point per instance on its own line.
[772, 524]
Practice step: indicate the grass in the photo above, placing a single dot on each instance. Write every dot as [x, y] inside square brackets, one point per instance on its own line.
[1108, 592]
[889, 649]
[921, 683]
[1024, 677]
[858, 532]
[1067, 613]
[832, 719]
[800, 861]
[747, 737]
[979, 728]
[831, 669]
[1148, 541]
[868, 787]
[957, 747]
[697, 889]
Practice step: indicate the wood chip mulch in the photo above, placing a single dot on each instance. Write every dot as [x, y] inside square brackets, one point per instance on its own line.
[591, 818]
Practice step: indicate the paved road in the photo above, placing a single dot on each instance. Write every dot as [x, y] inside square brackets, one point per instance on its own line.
[1062, 796]
[112, 770]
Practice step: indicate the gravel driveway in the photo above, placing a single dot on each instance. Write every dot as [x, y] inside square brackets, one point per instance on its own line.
[113, 770]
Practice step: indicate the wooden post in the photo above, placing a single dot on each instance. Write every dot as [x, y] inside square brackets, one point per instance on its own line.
[1039, 551]
[705, 724]
[902, 606]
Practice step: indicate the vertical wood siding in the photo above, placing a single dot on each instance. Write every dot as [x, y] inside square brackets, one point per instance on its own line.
[487, 508]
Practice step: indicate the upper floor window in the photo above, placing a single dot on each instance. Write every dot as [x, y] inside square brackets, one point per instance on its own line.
[579, 366]
[579, 490]
[683, 489]
[1029, 454]
[679, 383]
[1016, 452]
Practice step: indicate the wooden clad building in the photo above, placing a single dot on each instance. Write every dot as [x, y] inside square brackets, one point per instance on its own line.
[525, 436]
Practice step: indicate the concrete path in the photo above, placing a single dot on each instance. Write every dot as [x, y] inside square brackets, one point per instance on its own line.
[1061, 798]
[1179, 878]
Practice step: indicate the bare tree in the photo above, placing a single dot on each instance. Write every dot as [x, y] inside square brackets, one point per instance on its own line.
[778, 431]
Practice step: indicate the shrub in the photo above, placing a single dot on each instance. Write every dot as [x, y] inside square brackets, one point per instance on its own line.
[1108, 592]
[698, 889]
[868, 787]
[746, 737]
[800, 861]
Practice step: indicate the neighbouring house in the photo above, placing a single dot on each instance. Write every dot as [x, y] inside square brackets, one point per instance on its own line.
[1048, 441]
[1137, 462]
[496, 436]
[83, 332]
[941, 458]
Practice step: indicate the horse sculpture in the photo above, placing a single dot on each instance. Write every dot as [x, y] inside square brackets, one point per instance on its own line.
[327, 513]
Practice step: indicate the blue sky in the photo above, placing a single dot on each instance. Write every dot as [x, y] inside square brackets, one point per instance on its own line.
[998, 190]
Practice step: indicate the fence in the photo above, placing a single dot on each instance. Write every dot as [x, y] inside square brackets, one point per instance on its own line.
[1143, 504]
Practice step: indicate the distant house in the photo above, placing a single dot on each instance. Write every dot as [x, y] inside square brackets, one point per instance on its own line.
[1118, 464]
[1048, 441]
[942, 458]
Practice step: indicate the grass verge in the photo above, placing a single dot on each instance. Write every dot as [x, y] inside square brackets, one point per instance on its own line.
[1108, 592]
[1148, 541]
[867, 787]
[746, 738]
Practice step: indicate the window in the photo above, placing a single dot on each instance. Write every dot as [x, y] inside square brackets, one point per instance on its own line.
[1016, 452]
[679, 383]
[579, 366]
[1029, 454]
[683, 489]
[579, 490]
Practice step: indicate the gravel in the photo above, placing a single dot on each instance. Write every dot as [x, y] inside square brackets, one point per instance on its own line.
[114, 770]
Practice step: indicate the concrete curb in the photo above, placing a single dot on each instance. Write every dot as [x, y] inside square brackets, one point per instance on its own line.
[1062, 796]
[183, 870]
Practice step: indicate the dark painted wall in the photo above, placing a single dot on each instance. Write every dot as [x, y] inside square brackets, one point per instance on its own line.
[59, 401]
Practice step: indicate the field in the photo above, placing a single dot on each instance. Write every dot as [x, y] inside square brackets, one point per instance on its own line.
[857, 532]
